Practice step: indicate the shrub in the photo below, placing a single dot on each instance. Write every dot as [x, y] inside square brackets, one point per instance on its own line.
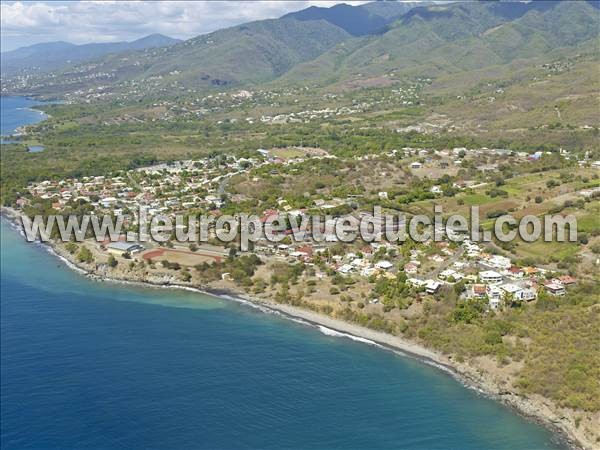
[112, 261]
[85, 255]
[71, 247]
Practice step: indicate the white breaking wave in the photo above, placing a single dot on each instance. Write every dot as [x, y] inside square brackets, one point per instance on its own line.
[330, 332]
[68, 263]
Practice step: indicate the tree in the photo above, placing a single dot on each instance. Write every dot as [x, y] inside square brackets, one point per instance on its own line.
[112, 261]
[469, 310]
[85, 255]
[186, 276]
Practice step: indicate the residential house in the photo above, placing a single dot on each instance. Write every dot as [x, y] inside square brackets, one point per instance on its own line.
[494, 294]
[555, 289]
[490, 277]
[432, 286]
[410, 268]
[478, 290]
[567, 280]
[384, 265]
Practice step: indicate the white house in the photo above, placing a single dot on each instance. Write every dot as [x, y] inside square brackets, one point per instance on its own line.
[263, 152]
[490, 277]
[384, 265]
[446, 274]
[346, 268]
[108, 201]
[519, 293]
[499, 262]
[416, 282]
[526, 294]
[494, 296]
[555, 289]
[432, 286]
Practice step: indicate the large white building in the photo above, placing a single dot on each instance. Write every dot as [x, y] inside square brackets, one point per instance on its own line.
[490, 277]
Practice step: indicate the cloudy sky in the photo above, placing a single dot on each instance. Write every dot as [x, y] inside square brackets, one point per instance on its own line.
[29, 22]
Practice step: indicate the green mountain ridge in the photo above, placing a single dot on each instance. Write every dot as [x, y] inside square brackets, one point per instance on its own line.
[453, 38]
[250, 53]
[367, 19]
[427, 41]
[53, 55]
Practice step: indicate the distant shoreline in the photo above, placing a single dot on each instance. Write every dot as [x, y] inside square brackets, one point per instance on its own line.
[20, 130]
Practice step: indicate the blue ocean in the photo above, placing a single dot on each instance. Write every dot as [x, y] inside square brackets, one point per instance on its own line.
[16, 112]
[96, 365]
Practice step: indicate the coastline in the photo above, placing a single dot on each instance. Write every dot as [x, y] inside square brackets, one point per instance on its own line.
[21, 131]
[534, 409]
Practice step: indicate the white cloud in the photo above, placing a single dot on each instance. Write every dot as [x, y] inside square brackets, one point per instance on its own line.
[24, 22]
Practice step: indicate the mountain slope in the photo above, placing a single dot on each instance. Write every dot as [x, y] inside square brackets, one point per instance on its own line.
[356, 21]
[371, 18]
[251, 53]
[430, 41]
[389, 9]
[451, 38]
[53, 55]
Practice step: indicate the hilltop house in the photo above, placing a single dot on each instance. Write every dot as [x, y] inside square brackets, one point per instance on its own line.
[555, 289]
[519, 293]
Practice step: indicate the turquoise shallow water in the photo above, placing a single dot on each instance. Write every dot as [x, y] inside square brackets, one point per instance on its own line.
[97, 365]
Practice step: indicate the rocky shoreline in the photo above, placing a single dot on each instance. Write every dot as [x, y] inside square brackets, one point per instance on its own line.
[537, 409]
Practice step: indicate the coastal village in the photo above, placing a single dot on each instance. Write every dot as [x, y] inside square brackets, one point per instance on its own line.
[193, 187]
[480, 111]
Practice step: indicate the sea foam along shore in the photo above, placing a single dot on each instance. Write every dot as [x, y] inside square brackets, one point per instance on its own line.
[22, 130]
[533, 409]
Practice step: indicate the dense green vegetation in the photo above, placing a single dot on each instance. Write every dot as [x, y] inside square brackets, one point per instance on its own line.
[556, 339]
